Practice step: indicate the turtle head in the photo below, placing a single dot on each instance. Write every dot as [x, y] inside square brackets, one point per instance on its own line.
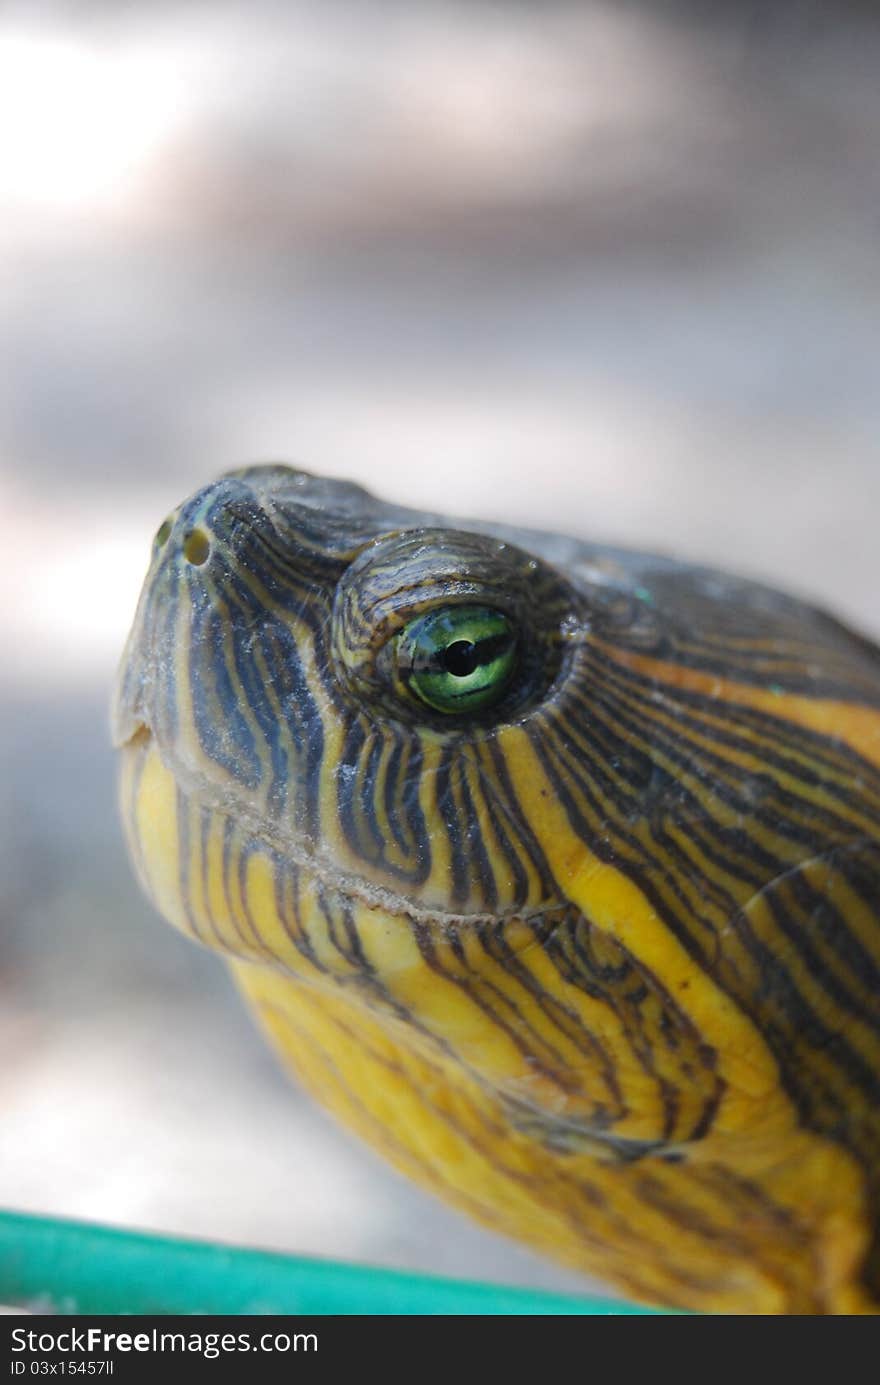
[601, 851]
[337, 722]
[342, 725]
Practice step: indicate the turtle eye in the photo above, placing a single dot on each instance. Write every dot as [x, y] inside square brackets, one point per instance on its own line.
[457, 658]
[462, 625]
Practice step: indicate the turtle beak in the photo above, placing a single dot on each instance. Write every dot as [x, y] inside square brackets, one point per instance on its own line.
[129, 712]
[128, 718]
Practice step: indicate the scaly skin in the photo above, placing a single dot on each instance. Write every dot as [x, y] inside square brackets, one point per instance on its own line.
[598, 965]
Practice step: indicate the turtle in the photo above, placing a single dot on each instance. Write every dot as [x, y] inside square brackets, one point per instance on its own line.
[551, 869]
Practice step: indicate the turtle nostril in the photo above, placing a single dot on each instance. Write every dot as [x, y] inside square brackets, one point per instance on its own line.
[162, 533]
[196, 547]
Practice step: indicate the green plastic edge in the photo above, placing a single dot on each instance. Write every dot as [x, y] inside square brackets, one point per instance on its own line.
[58, 1266]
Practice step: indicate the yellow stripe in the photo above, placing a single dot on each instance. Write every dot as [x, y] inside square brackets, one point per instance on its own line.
[613, 903]
[857, 727]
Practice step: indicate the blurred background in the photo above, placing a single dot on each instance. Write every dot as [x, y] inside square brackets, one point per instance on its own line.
[610, 268]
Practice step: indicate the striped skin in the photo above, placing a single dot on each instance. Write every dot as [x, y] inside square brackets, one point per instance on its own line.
[598, 965]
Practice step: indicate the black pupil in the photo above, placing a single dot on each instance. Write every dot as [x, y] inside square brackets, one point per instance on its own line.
[460, 658]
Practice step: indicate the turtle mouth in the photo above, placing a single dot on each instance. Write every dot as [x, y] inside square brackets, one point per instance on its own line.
[350, 888]
[139, 735]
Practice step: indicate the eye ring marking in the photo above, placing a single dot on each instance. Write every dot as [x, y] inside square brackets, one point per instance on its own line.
[457, 659]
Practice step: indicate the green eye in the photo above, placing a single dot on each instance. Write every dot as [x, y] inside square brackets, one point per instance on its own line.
[457, 659]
